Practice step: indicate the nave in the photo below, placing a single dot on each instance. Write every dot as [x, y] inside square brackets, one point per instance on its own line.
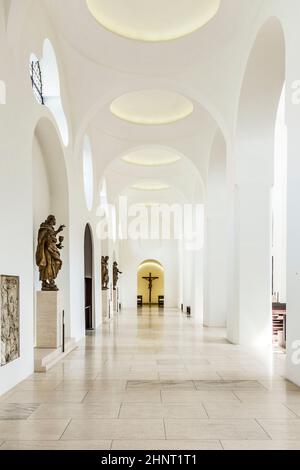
[153, 379]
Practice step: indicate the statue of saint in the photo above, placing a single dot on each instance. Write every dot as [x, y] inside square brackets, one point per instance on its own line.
[48, 253]
[116, 273]
[104, 272]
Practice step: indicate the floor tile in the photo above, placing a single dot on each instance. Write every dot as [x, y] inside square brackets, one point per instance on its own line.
[261, 445]
[197, 396]
[282, 429]
[153, 410]
[30, 430]
[268, 396]
[34, 385]
[140, 375]
[12, 411]
[125, 397]
[37, 396]
[214, 429]
[166, 445]
[76, 411]
[160, 385]
[213, 385]
[247, 411]
[279, 385]
[115, 429]
[56, 445]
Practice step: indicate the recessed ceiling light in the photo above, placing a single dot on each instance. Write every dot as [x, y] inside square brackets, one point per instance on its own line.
[150, 186]
[151, 156]
[152, 107]
[153, 20]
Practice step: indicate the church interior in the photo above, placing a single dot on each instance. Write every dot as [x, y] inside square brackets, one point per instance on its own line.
[150, 225]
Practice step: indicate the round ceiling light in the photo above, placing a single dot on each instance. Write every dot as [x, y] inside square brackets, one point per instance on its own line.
[153, 20]
[152, 107]
[150, 186]
[151, 156]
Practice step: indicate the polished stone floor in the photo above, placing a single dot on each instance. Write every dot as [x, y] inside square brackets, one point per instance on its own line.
[155, 380]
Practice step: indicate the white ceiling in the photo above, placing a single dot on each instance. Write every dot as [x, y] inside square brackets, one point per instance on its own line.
[101, 66]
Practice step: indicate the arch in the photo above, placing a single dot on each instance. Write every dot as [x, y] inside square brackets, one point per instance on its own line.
[51, 90]
[259, 97]
[196, 195]
[191, 93]
[155, 295]
[254, 175]
[51, 196]
[89, 278]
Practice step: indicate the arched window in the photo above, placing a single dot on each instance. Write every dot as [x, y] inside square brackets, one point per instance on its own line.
[36, 79]
[45, 82]
[2, 92]
[88, 174]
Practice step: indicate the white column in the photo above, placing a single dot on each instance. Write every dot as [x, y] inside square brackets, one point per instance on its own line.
[253, 251]
[293, 215]
[216, 251]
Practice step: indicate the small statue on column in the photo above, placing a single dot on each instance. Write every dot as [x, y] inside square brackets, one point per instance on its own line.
[48, 253]
[116, 273]
[104, 272]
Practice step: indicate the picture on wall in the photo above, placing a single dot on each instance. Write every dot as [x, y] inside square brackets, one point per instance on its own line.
[9, 319]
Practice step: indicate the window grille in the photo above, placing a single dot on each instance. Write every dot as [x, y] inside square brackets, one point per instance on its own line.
[36, 81]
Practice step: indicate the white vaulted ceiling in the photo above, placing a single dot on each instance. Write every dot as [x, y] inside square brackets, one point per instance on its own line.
[147, 76]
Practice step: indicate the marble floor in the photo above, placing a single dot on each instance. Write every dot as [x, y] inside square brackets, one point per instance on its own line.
[155, 380]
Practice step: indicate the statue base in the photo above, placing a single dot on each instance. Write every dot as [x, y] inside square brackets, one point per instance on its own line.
[106, 314]
[49, 320]
[115, 301]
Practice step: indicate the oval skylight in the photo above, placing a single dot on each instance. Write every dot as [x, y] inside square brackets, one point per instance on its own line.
[153, 20]
[152, 107]
[151, 156]
[150, 186]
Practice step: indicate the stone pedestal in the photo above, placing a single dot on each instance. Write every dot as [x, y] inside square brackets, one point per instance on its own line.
[106, 304]
[49, 320]
[115, 301]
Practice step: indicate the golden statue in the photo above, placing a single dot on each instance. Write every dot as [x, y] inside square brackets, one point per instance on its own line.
[116, 273]
[48, 253]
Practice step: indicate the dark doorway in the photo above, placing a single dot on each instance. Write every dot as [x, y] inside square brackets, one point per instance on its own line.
[88, 279]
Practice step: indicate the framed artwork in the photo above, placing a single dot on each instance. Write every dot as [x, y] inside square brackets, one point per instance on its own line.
[9, 319]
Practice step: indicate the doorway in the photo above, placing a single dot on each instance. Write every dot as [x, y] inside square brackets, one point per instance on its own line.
[88, 279]
[150, 284]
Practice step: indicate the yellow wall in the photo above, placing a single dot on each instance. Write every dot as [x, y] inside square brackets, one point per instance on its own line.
[158, 285]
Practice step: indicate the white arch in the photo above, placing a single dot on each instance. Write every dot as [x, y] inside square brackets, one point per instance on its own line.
[261, 88]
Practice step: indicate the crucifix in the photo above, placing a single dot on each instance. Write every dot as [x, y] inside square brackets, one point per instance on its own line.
[150, 279]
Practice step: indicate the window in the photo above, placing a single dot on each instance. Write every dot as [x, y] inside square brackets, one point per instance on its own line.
[45, 81]
[2, 92]
[88, 176]
[36, 80]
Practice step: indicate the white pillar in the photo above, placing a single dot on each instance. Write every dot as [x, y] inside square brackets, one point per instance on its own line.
[216, 251]
[253, 251]
[293, 213]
